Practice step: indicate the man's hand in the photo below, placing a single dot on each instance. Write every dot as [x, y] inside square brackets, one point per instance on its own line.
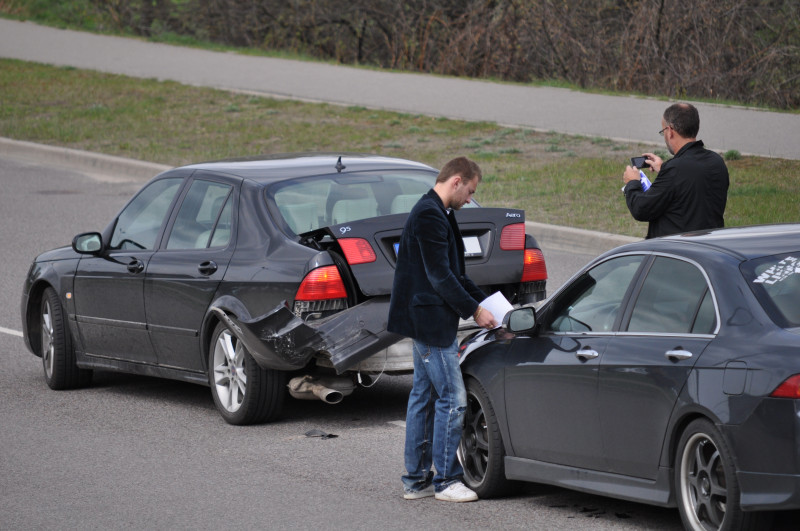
[631, 174]
[484, 318]
[654, 161]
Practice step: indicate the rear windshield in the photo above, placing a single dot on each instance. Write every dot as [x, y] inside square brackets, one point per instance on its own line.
[775, 280]
[315, 202]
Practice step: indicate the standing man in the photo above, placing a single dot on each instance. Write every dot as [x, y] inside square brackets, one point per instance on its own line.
[431, 291]
[690, 190]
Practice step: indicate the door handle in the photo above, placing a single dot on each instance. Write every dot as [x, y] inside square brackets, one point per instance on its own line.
[678, 354]
[135, 266]
[586, 354]
[207, 268]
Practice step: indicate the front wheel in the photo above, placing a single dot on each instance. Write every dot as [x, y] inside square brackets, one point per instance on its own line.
[243, 392]
[481, 450]
[707, 488]
[58, 355]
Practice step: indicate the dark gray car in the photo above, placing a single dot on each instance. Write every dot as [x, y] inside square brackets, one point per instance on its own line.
[244, 274]
[666, 371]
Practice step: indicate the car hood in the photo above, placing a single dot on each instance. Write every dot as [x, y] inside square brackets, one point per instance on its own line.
[62, 253]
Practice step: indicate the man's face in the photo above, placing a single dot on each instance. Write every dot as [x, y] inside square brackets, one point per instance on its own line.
[463, 192]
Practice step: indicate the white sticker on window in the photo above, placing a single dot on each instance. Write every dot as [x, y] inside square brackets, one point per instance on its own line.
[780, 271]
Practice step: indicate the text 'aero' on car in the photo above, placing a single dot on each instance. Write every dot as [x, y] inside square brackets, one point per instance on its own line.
[665, 371]
[237, 274]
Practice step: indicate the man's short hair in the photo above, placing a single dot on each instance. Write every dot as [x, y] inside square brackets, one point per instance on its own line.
[683, 118]
[467, 169]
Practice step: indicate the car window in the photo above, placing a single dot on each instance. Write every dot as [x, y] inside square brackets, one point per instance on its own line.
[221, 235]
[199, 216]
[775, 281]
[592, 302]
[312, 203]
[139, 223]
[674, 298]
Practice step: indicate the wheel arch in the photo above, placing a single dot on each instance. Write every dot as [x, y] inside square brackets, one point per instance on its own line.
[491, 381]
[679, 427]
[31, 325]
[58, 275]
[206, 333]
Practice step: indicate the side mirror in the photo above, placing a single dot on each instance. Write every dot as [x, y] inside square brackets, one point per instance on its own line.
[520, 320]
[87, 243]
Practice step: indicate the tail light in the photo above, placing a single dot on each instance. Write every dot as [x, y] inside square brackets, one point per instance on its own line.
[534, 267]
[321, 284]
[357, 250]
[512, 238]
[790, 388]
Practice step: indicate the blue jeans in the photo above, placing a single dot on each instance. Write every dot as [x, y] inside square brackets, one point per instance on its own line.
[435, 418]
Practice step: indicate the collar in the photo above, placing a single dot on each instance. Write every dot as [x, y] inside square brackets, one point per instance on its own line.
[438, 200]
[687, 147]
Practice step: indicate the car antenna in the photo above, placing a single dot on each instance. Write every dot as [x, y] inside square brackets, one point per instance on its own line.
[339, 166]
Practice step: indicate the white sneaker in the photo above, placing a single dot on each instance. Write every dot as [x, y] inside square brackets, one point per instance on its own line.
[457, 492]
[417, 494]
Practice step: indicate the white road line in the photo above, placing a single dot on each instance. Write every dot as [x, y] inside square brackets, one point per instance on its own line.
[9, 331]
[400, 423]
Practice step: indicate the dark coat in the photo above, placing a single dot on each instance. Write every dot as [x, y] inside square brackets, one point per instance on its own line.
[431, 289]
[690, 193]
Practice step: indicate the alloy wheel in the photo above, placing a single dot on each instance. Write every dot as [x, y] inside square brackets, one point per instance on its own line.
[473, 451]
[230, 377]
[704, 491]
[48, 345]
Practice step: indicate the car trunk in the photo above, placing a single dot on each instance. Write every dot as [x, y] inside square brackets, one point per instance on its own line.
[488, 265]
[494, 246]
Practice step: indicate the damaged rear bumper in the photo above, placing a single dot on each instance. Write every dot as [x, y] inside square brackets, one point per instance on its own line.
[281, 340]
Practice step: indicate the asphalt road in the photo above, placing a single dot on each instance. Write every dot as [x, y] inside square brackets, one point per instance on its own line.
[545, 109]
[137, 452]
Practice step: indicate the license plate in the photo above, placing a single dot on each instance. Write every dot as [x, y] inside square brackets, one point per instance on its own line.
[472, 247]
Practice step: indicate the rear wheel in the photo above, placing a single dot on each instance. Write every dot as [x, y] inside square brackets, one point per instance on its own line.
[243, 392]
[481, 451]
[705, 479]
[58, 356]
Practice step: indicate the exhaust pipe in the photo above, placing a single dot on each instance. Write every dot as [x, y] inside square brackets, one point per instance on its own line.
[330, 390]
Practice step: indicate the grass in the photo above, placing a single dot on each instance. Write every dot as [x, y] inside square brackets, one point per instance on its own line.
[556, 178]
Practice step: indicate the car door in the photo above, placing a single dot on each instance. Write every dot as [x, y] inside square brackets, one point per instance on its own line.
[184, 274]
[644, 368]
[109, 288]
[552, 383]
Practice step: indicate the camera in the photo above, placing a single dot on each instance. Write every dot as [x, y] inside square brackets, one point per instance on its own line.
[639, 162]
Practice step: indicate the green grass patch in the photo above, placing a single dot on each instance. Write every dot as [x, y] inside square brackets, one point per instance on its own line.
[555, 178]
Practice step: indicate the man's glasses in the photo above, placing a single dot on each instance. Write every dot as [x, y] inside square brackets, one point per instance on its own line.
[662, 131]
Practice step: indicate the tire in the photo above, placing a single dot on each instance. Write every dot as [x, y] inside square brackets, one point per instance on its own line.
[243, 392]
[706, 484]
[58, 355]
[481, 450]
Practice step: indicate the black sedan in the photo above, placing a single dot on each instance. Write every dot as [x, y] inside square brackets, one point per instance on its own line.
[243, 274]
[666, 371]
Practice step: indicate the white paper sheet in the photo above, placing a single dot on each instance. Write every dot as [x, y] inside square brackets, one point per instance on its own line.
[498, 305]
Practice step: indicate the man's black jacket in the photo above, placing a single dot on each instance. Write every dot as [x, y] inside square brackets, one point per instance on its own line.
[431, 289]
[690, 193]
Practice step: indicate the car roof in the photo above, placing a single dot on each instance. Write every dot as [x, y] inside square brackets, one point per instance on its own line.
[278, 167]
[745, 242]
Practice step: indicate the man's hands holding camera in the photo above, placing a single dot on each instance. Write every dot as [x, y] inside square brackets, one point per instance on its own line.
[648, 161]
